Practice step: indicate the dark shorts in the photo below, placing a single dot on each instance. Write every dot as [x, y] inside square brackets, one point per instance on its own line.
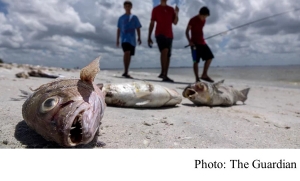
[128, 47]
[202, 52]
[163, 43]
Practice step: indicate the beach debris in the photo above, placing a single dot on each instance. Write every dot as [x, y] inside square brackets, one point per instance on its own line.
[40, 73]
[146, 142]
[214, 94]
[284, 127]
[166, 122]
[67, 111]
[22, 75]
[5, 142]
[140, 94]
[176, 144]
[100, 144]
[157, 133]
[147, 124]
[6, 66]
[186, 138]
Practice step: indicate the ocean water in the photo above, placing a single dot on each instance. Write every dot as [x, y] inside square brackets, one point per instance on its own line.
[281, 76]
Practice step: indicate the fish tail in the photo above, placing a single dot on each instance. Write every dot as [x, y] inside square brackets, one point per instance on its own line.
[245, 94]
[89, 72]
[175, 97]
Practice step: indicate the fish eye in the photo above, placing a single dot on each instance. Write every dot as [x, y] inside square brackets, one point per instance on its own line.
[49, 104]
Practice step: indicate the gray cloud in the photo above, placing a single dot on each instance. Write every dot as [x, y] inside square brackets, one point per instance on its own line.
[71, 33]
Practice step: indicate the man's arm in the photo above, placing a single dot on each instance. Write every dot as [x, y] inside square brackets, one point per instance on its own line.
[138, 30]
[151, 26]
[175, 21]
[187, 34]
[118, 37]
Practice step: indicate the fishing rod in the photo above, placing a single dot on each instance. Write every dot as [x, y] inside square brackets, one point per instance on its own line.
[249, 24]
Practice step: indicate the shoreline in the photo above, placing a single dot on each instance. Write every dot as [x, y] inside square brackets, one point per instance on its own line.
[145, 68]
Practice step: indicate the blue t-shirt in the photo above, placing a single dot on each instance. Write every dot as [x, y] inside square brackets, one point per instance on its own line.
[128, 24]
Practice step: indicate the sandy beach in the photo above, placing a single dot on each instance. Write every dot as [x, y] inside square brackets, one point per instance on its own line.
[269, 119]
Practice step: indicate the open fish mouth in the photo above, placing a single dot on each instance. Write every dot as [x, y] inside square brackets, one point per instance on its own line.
[75, 136]
[189, 92]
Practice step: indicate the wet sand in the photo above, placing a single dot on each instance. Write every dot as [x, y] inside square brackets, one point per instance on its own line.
[269, 119]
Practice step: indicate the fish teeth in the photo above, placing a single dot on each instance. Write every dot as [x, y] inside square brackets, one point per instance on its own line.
[73, 128]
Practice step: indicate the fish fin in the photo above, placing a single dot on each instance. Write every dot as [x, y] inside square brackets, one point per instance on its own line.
[245, 94]
[89, 72]
[175, 96]
[142, 103]
[142, 94]
[24, 95]
[217, 84]
[219, 92]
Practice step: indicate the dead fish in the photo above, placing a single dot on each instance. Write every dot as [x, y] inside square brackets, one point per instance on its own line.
[40, 73]
[214, 94]
[140, 94]
[67, 111]
[22, 75]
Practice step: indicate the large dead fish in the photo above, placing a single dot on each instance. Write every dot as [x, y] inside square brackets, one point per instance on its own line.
[216, 94]
[67, 111]
[140, 94]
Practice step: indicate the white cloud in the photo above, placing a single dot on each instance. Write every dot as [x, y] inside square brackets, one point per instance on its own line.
[71, 33]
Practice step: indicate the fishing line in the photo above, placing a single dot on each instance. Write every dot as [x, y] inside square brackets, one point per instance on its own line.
[224, 32]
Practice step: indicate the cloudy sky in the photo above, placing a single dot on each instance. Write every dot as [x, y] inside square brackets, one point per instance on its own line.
[71, 33]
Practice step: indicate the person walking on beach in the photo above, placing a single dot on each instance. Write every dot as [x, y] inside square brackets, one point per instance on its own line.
[164, 16]
[199, 48]
[127, 24]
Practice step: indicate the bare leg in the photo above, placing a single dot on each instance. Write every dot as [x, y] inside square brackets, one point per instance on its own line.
[161, 66]
[167, 66]
[206, 66]
[127, 58]
[204, 74]
[196, 70]
[164, 61]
